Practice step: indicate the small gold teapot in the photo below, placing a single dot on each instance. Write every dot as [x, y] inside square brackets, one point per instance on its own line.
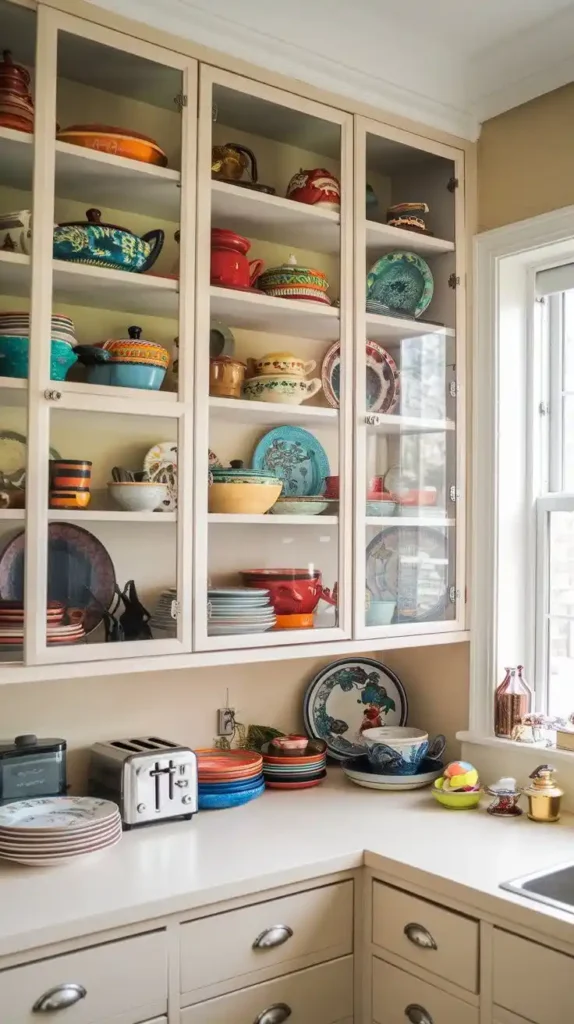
[544, 795]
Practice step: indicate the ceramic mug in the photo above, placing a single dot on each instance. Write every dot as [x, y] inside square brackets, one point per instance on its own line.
[70, 475]
[226, 377]
[332, 487]
[380, 613]
[400, 750]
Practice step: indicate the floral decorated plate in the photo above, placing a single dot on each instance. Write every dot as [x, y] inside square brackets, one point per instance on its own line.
[401, 282]
[382, 378]
[410, 567]
[349, 696]
[160, 464]
[297, 457]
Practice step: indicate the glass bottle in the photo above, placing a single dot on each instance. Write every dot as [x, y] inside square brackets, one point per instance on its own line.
[512, 702]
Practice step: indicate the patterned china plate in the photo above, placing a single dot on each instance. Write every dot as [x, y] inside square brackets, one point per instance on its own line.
[296, 457]
[56, 812]
[349, 696]
[402, 282]
[13, 454]
[410, 567]
[360, 771]
[382, 378]
[160, 464]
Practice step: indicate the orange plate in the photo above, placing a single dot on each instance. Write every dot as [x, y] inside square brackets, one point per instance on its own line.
[295, 761]
[294, 785]
[294, 621]
[115, 142]
[213, 759]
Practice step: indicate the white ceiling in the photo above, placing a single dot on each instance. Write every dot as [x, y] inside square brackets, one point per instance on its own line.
[447, 63]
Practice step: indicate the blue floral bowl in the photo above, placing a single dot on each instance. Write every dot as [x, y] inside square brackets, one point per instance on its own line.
[14, 357]
[106, 245]
[400, 750]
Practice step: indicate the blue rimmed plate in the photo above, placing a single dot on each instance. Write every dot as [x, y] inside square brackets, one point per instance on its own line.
[296, 456]
[218, 801]
[402, 283]
[410, 567]
[349, 696]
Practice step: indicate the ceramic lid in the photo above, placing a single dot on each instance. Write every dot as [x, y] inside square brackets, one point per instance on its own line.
[94, 219]
[292, 265]
[108, 129]
[543, 782]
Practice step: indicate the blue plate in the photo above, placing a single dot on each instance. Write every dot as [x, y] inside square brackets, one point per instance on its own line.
[243, 785]
[295, 456]
[218, 801]
[349, 696]
[401, 282]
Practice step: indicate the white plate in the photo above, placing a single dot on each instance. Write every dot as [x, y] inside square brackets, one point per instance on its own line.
[229, 629]
[32, 841]
[56, 861]
[392, 783]
[56, 812]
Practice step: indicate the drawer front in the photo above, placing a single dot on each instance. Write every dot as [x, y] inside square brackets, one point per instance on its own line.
[126, 979]
[318, 995]
[531, 980]
[399, 997]
[439, 940]
[310, 926]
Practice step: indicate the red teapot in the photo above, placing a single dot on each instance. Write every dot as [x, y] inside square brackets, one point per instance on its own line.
[230, 267]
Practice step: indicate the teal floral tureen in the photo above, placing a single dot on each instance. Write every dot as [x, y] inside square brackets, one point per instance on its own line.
[106, 245]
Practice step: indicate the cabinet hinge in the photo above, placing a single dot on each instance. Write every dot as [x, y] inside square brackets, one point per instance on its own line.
[372, 419]
[180, 100]
[175, 609]
[544, 408]
[453, 281]
[454, 493]
[452, 184]
[453, 389]
[453, 594]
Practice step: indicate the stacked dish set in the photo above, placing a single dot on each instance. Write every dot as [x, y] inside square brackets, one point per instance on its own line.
[15, 340]
[163, 619]
[49, 831]
[62, 627]
[239, 610]
[228, 778]
[294, 762]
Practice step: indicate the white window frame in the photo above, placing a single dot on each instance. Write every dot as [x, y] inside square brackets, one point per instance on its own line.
[506, 460]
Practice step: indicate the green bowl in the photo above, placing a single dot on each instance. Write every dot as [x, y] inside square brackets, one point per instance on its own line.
[456, 801]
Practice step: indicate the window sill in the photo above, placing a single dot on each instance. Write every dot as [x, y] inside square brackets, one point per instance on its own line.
[565, 757]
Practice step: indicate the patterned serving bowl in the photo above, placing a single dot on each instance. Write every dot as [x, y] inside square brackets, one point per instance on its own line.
[299, 506]
[138, 496]
[287, 390]
[102, 369]
[236, 473]
[399, 750]
[106, 138]
[290, 281]
[277, 364]
[106, 245]
[14, 357]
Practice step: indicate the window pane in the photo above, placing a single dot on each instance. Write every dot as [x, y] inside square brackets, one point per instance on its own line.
[569, 341]
[561, 624]
[568, 444]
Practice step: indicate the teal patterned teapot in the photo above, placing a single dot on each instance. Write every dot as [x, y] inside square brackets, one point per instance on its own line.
[106, 245]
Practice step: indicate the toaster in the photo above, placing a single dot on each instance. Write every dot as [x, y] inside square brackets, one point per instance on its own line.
[150, 779]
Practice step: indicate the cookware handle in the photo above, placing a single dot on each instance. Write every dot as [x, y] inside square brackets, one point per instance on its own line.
[253, 168]
[156, 236]
[326, 595]
[90, 355]
[313, 386]
[310, 366]
[291, 593]
[436, 748]
[255, 268]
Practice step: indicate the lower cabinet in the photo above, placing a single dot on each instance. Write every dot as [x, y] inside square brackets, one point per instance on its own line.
[399, 997]
[531, 980]
[318, 995]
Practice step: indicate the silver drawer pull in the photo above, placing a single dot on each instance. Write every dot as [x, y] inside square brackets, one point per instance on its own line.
[417, 1014]
[419, 936]
[59, 998]
[274, 936]
[275, 1014]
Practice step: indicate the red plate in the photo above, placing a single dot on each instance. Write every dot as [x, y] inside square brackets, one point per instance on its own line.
[294, 785]
[212, 761]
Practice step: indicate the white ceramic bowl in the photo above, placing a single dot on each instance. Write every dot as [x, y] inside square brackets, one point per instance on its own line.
[396, 736]
[138, 497]
[284, 389]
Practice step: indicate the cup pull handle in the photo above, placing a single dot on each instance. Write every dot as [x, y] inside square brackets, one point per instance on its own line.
[417, 1014]
[274, 936]
[275, 1014]
[59, 998]
[419, 936]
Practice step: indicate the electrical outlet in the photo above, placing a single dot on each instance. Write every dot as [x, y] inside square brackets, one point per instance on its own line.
[225, 721]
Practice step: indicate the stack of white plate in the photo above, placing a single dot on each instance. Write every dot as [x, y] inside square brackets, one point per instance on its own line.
[48, 831]
[162, 620]
[18, 323]
[239, 610]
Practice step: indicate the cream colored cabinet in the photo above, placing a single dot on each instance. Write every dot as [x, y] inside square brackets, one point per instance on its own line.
[399, 997]
[531, 980]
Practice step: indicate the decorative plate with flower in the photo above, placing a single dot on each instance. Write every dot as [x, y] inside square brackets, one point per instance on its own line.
[297, 457]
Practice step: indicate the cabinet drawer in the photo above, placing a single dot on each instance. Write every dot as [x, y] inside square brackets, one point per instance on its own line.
[124, 980]
[531, 980]
[310, 927]
[394, 992]
[440, 940]
[318, 995]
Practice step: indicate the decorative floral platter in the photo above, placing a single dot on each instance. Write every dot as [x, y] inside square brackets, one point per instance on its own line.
[382, 382]
[297, 457]
[401, 282]
[56, 812]
[411, 568]
[349, 696]
[160, 464]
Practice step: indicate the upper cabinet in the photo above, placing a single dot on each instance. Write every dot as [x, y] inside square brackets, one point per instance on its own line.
[231, 381]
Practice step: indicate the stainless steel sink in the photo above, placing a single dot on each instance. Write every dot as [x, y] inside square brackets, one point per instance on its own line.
[554, 887]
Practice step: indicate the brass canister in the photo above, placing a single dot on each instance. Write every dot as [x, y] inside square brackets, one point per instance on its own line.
[544, 795]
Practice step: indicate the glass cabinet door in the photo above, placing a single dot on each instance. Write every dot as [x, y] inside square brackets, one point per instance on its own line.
[409, 443]
[273, 387]
[17, 81]
[112, 352]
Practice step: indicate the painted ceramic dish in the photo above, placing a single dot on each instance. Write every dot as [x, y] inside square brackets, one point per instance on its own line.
[13, 456]
[401, 282]
[360, 771]
[288, 390]
[348, 697]
[410, 216]
[317, 187]
[160, 464]
[297, 457]
[106, 245]
[106, 138]
[80, 571]
[220, 801]
[410, 567]
[382, 381]
[55, 813]
[299, 507]
[290, 281]
[14, 357]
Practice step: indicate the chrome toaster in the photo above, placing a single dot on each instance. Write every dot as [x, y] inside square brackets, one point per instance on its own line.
[150, 779]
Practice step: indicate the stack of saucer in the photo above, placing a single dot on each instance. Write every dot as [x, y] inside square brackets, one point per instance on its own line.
[162, 619]
[57, 630]
[239, 610]
[228, 778]
[18, 323]
[49, 831]
[292, 767]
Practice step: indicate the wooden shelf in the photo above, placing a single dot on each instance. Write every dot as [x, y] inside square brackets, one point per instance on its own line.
[390, 424]
[230, 519]
[408, 521]
[234, 409]
[16, 159]
[116, 516]
[385, 236]
[274, 219]
[257, 312]
[393, 329]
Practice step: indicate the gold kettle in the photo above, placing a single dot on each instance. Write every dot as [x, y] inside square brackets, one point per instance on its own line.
[229, 162]
[543, 794]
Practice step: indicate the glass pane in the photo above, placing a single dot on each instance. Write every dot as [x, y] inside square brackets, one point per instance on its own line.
[113, 502]
[268, 408]
[561, 625]
[18, 31]
[569, 341]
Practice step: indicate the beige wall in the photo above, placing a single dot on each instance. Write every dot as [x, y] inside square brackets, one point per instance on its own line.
[526, 160]
[182, 705]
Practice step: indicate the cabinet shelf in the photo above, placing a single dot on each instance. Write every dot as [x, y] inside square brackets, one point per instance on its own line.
[230, 519]
[407, 521]
[390, 424]
[234, 409]
[274, 219]
[394, 329]
[385, 236]
[13, 391]
[93, 516]
[257, 312]
[16, 158]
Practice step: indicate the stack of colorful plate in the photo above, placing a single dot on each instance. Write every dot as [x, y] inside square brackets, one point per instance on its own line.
[162, 619]
[18, 323]
[296, 770]
[239, 610]
[49, 831]
[57, 630]
[228, 778]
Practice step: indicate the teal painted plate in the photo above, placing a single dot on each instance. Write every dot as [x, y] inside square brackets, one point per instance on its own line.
[402, 283]
[297, 457]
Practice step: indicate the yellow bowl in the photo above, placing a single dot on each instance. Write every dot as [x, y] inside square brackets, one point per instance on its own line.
[247, 499]
[456, 801]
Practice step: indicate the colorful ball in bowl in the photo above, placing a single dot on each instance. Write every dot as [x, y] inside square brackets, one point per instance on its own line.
[455, 801]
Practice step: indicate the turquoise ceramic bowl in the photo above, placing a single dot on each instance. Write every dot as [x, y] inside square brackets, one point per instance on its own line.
[127, 375]
[14, 357]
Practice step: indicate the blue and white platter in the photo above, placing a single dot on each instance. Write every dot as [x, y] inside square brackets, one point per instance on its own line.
[410, 567]
[297, 457]
[360, 771]
[400, 282]
[349, 696]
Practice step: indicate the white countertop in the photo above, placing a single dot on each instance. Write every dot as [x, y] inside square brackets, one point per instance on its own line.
[283, 838]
